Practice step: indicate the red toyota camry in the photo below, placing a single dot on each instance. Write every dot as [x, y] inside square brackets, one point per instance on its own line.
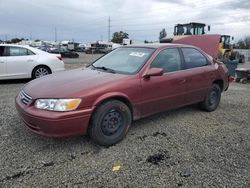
[127, 84]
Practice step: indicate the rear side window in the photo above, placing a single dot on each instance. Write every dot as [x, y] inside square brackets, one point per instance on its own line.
[29, 52]
[19, 51]
[193, 58]
[169, 60]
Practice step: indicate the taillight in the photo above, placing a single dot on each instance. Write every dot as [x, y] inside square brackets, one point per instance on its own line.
[230, 79]
[59, 57]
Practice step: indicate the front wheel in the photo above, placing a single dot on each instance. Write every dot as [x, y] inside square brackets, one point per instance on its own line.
[212, 98]
[110, 123]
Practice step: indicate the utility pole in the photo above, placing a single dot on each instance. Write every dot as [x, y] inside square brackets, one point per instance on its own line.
[55, 34]
[109, 30]
[30, 35]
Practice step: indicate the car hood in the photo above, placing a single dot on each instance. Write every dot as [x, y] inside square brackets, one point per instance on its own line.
[69, 84]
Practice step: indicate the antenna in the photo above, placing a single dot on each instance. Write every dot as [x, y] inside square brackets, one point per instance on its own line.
[109, 29]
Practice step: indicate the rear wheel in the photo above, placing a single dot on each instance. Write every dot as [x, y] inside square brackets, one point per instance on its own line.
[110, 123]
[212, 98]
[40, 71]
[243, 80]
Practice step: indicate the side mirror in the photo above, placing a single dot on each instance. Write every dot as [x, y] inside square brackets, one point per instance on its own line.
[153, 72]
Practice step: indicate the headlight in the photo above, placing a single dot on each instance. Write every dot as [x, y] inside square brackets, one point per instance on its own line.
[61, 105]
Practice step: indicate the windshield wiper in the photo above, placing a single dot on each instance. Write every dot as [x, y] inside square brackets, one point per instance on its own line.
[105, 69]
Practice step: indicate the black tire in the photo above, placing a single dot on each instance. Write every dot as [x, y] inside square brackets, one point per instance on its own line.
[40, 71]
[110, 123]
[243, 80]
[212, 99]
[237, 80]
[76, 55]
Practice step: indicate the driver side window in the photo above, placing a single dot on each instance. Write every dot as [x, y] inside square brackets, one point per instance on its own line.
[169, 60]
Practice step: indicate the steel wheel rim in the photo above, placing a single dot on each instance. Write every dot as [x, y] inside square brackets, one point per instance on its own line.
[112, 122]
[213, 98]
[41, 72]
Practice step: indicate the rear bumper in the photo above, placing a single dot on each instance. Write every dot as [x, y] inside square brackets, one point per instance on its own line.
[54, 124]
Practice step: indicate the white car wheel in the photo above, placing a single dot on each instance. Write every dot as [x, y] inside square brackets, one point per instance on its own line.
[40, 72]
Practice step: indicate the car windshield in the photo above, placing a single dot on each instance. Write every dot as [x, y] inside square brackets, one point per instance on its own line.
[127, 60]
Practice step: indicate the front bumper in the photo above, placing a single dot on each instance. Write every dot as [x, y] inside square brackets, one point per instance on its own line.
[54, 124]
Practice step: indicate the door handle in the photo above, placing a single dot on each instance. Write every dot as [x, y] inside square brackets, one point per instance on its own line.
[1, 61]
[182, 81]
[30, 60]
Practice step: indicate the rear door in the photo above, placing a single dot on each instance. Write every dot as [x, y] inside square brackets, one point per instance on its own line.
[164, 92]
[199, 73]
[3, 72]
[20, 62]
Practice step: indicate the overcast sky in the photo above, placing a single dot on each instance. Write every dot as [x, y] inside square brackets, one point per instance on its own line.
[87, 20]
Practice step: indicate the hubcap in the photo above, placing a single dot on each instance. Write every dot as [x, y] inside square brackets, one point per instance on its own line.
[213, 98]
[41, 72]
[112, 122]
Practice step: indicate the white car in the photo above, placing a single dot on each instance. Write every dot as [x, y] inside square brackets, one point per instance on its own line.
[18, 61]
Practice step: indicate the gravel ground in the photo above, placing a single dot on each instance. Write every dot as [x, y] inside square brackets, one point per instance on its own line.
[83, 59]
[180, 148]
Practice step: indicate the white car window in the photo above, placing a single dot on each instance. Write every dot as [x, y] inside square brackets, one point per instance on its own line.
[30, 52]
[18, 51]
[2, 51]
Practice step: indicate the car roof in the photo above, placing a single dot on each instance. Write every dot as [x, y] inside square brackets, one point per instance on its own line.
[37, 51]
[13, 45]
[157, 45]
[165, 45]
[18, 45]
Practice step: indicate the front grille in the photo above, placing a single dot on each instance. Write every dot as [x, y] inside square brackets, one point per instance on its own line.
[25, 98]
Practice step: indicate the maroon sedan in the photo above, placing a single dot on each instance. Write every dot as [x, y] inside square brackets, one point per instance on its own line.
[127, 84]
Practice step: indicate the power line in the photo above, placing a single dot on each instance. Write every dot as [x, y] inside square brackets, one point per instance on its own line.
[119, 19]
[55, 34]
[128, 25]
[204, 6]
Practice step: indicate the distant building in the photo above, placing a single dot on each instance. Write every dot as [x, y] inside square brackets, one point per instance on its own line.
[30, 43]
[245, 52]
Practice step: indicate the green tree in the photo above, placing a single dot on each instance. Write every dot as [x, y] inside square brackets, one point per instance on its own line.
[119, 36]
[146, 41]
[162, 34]
[15, 40]
[243, 43]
